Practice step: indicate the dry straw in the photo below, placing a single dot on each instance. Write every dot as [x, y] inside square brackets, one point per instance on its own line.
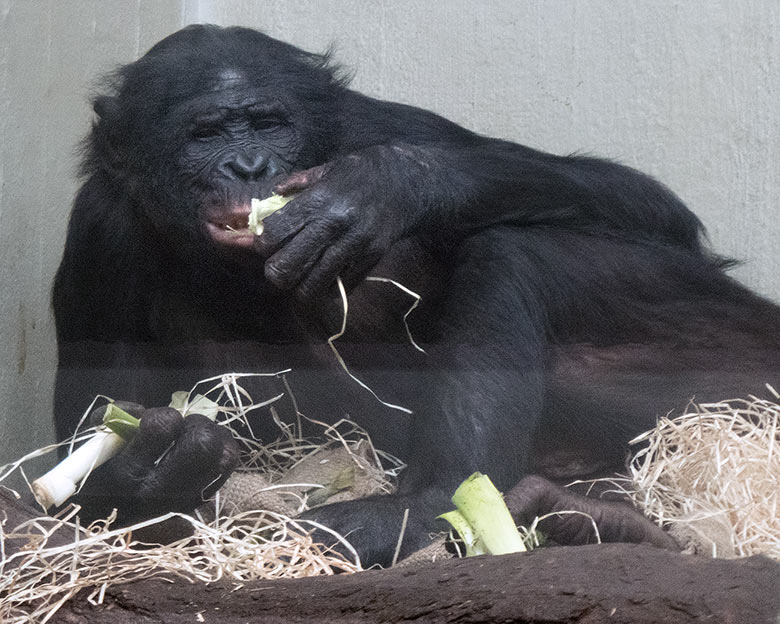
[716, 469]
[253, 545]
[714, 472]
[236, 547]
[241, 546]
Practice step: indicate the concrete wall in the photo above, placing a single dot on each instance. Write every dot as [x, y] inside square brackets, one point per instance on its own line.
[686, 90]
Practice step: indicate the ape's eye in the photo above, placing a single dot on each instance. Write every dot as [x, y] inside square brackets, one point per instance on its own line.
[206, 132]
[266, 123]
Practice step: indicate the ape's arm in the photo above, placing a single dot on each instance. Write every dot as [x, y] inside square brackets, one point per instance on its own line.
[466, 181]
[400, 171]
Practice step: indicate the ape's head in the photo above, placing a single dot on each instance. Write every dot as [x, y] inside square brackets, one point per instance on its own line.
[209, 118]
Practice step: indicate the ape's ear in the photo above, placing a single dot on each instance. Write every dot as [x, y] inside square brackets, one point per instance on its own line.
[104, 133]
[105, 107]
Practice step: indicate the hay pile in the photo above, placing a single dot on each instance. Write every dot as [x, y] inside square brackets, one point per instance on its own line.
[713, 476]
[260, 545]
[247, 533]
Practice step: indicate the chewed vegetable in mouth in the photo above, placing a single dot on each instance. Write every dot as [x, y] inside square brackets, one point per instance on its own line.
[239, 226]
[263, 208]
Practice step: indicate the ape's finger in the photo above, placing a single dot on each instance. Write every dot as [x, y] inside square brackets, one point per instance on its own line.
[159, 428]
[574, 519]
[228, 460]
[293, 261]
[204, 453]
[301, 180]
[280, 227]
[531, 497]
[344, 261]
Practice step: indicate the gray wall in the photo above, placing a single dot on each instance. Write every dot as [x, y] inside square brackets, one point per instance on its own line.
[686, 90]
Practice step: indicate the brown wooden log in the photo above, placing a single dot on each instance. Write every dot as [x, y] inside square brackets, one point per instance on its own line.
[581, 584]
[586, 584]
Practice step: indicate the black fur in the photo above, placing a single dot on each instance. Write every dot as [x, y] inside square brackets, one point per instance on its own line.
[567, 301]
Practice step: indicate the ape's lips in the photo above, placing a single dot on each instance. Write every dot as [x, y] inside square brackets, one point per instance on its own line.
[231, 227]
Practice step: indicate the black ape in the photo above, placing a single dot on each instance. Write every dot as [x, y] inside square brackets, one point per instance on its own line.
[567, 301]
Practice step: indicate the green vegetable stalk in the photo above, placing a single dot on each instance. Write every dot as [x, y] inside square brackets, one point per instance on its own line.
[482, 519]
[117, 428]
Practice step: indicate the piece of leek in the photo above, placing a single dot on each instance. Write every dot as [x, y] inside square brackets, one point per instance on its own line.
[262, 208]
[59, 484]
[117, 428]
[482, 519]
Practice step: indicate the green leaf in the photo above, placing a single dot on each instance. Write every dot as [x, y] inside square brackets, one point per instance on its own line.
[198, 405]
[120, 422]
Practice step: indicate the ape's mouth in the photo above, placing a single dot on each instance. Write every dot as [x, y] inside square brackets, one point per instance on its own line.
[230, 227]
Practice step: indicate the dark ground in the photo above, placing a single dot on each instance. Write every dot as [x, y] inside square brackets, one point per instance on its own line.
[578, 584]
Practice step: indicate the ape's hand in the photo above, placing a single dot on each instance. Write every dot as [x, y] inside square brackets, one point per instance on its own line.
[172, 464]
[346, 217]
[570, 518]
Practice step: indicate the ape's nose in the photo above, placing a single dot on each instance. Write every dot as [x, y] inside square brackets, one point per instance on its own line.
[248, 167]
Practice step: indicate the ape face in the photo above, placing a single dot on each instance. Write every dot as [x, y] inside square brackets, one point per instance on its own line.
[206, 136]
[235, 144]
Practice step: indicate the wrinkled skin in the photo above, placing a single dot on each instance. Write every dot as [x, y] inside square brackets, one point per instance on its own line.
[567, 301]
[203, 457]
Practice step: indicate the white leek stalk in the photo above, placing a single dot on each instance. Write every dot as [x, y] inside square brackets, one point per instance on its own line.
[59, 484]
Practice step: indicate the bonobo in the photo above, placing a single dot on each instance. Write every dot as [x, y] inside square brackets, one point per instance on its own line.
[567, 301]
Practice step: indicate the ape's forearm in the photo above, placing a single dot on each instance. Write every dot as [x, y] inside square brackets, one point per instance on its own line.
[460, 181]
[482, 182]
